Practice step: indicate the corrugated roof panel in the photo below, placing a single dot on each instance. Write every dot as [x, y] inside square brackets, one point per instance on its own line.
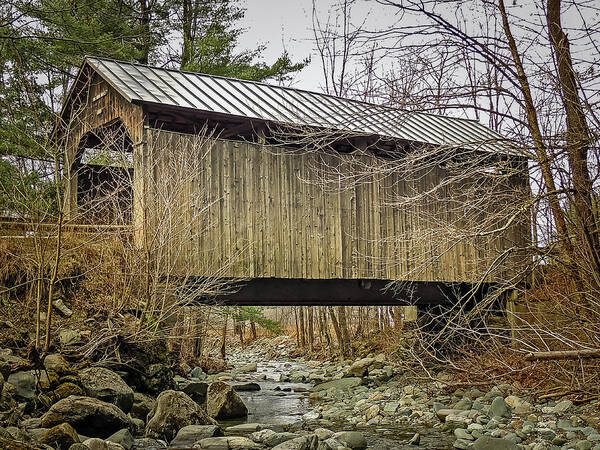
[290, 106]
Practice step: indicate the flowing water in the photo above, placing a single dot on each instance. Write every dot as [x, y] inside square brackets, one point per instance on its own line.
[283, 404]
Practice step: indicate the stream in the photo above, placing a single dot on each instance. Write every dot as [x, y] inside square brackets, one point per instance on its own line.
[282, 403]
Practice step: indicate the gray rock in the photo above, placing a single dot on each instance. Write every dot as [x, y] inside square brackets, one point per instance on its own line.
[341, 384]
[519, 405]
[391, 408]
[499, 408]
[227, 443]
[443, 413]
[105, 385]
[62, 309]
[331, 444]
[173, 411]
[461, 433]
[89, 416]
[198, 373]
[99, 444]
[142, 405]
[245, 428]
[262, 435]
[251, 367]
[299, 376]
[222, 402]
[57, 363]
[583, 445]
[361, 367]
[490, 443]
[69, 337]
[311, 415]
[24, 383]
[276, 439]
[563, 406]
[300, 443]
[122, 437]
[196, 390]
[148, 444]
[190, 434]
[464, 404]
[462, 444]
[323, 433]
[351, 439]
[78, 446]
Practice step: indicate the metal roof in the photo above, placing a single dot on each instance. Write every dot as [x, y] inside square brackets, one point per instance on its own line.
[145, 84]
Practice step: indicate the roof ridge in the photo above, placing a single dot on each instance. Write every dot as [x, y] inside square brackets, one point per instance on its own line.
[287, 88]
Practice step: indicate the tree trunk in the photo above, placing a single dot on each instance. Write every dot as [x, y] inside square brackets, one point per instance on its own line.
[578, 136]
[224, 338]
[302, 328]
[344, 328]
[311, 329]
[542, 155]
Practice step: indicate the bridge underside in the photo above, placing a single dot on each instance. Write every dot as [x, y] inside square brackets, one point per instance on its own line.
[337, 292]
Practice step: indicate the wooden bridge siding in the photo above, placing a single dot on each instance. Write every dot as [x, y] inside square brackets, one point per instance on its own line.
[89, 115]
[266, 222]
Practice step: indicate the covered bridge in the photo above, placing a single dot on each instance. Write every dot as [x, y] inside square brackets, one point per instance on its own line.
[221, 181]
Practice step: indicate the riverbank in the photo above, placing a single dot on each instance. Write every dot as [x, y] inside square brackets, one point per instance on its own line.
[268, 398]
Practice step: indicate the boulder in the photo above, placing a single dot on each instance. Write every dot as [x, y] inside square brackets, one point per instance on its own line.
[490, 443]
[196, 390]
[89, 416]
[198, 373]
[251, 367]
[361, 367]
[158, 378]
[444, 412]
[24, 383]
[148, 444]
[275, 439]
[105, 385]
[142, 405]
[190, 434]
[227, 443]
[66, 389]
[309, 442]
[351, 439]
[174, 410]
[60, 436]
[79, 446]
[499, 408]
[519, 405]
[245, 428]
[99, 444]
[343, 383]
[123, 438]
[222, 402]
[57, 363]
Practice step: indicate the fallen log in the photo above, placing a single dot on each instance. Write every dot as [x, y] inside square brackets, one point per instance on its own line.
[563, 354]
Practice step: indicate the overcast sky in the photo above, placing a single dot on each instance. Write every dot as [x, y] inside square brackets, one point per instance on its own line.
[287, 24]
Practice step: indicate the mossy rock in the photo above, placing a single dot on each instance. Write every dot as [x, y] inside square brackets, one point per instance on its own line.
[66, 389]
[60, 436]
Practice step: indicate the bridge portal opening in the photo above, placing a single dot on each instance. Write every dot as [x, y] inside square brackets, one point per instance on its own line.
[104, 169]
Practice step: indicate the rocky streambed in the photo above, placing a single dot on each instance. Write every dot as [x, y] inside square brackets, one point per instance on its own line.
[279, 403]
